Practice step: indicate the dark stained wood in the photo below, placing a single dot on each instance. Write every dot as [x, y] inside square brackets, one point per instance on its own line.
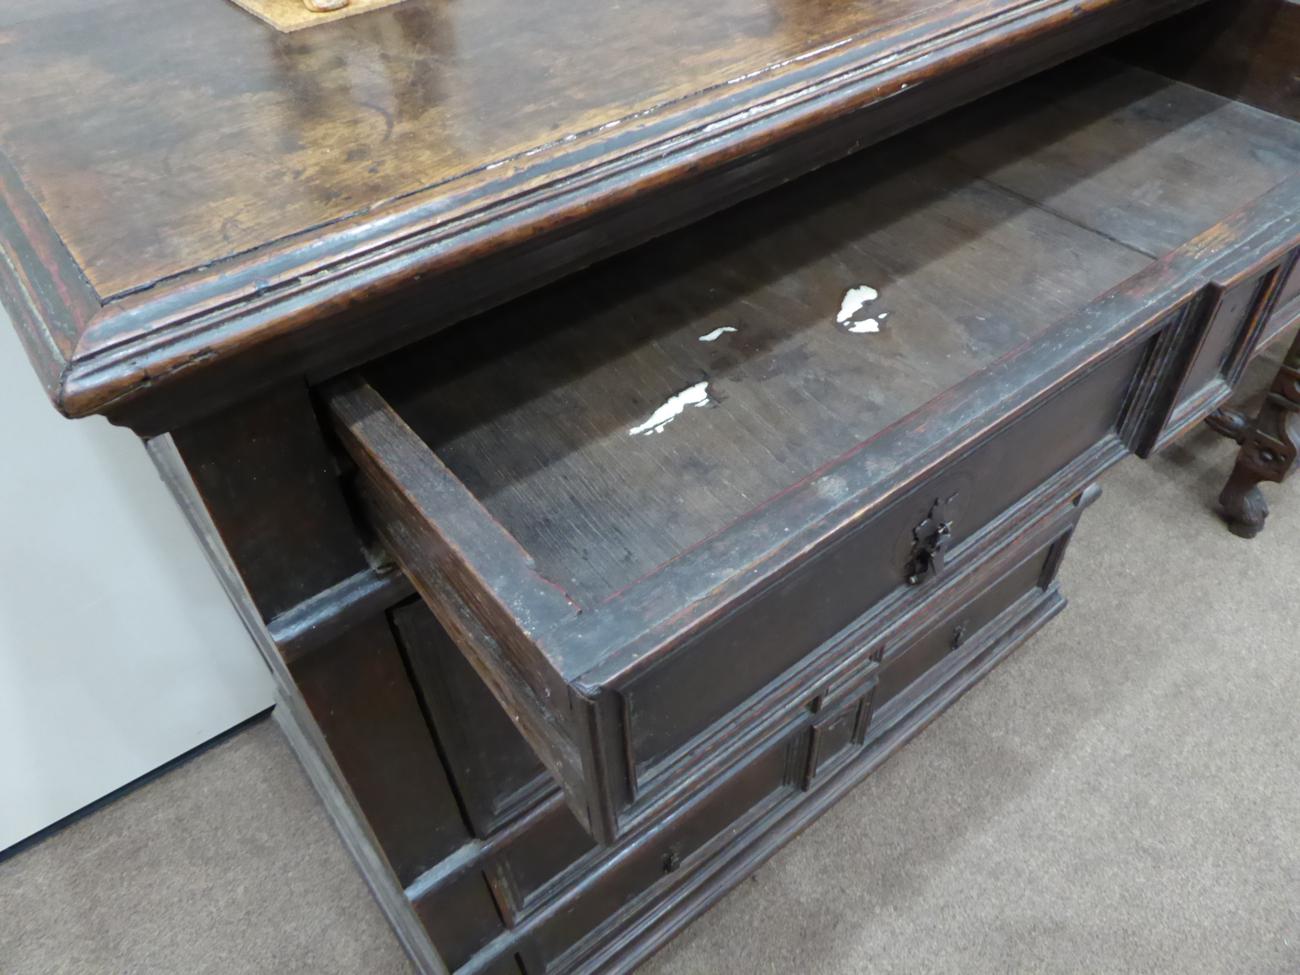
[344, 805]
[554, 852]
[1236, 314]
[616, 572]
[904, 666]
[271, 488]
[360, 696]
[461, 917]
[534, 420]
[537, 420]
[1143, 161]
[617, 903]
[838, 583]
[1270, 448]
[318, 619]
[1248, 50]
[235, 209]
[497, 775]
[1286, 312]
[710, 633]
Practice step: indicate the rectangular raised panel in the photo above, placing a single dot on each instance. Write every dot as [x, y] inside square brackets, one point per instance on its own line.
[831, 736]
[1225, 332]
[1225, 328]
[495, 773]
[357, 690]
[657, 857]
[552, 851]
[906, 665]
[461, 918]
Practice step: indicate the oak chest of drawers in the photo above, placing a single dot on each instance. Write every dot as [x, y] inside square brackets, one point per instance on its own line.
[617, 458]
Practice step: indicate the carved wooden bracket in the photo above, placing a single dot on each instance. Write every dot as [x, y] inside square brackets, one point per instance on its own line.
[1270, 448]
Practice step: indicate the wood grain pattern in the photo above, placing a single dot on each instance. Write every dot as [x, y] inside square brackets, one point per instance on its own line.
[269, 484]
[1247, 50]
[1006, 343]
[1129, 155]
[496, 774]
[615, 904]
[359, 694]
[646, 669]
[235, 198]
[1070, 184]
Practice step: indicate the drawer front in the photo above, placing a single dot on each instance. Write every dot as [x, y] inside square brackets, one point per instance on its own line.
[558, 852]
[553, 852]
[461, 917]
[904, 667]
[700, 684]
[620, 876]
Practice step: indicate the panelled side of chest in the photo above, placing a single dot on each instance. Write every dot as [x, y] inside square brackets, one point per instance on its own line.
[261, 489]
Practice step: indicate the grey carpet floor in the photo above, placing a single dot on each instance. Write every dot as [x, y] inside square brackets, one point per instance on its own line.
[1122, 795]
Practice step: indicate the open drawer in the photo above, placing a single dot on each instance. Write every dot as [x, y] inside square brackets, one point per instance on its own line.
[649, 501]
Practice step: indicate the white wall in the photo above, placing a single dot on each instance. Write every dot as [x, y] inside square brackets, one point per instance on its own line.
[118, 647]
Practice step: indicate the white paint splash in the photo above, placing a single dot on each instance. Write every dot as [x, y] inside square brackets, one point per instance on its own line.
[855, 299]
[864, 326]
[717, 333]
[697, 395]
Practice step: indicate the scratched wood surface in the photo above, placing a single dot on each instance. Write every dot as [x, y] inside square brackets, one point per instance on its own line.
[552, 410]
[246, 136]
[201, 195]
[1125, 153]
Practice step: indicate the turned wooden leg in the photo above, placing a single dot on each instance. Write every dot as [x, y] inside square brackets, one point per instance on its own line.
[1268, 448]
[1242, 504]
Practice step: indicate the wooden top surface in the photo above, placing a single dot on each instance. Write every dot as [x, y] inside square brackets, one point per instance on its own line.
[182, 183]
[565, 413]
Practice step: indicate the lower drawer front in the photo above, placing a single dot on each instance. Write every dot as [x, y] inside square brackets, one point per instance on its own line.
[564, 892]
[638, 869]
[912, 662]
